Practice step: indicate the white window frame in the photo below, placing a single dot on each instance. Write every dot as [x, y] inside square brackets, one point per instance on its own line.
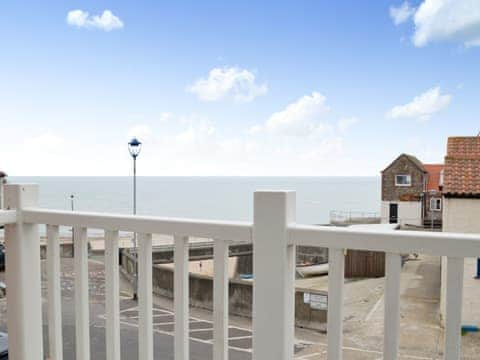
[409, 178]
[435, 208]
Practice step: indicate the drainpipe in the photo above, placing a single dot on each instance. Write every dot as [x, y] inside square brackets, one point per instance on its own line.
[3, 181]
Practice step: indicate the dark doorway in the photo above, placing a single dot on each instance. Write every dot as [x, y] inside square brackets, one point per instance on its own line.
[393, 213]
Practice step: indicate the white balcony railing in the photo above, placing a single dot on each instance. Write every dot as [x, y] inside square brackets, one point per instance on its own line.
[274, 233]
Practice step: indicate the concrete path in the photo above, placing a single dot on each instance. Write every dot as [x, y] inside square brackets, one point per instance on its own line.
[420, 332]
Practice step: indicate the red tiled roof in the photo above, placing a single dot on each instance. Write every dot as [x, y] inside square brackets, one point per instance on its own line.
[462, 166]
[433, 180]
[464, 147]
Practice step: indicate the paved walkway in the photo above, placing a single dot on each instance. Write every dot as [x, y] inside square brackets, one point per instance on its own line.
[420, 332]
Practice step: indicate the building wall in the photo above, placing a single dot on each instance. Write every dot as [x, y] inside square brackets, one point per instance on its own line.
[402, 166]
[462, 216]
[409, 212]
[428, 214]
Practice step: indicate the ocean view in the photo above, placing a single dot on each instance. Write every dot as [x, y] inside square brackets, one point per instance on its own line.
[224, 198]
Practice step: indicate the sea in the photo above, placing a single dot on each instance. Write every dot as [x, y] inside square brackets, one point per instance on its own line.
[220, 198]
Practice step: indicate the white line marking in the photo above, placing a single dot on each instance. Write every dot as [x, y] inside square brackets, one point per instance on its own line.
[372, 310]
[240, 337]
[154, 316]
[199, 330]
[192, 320]
[207, 342]
[414, 357]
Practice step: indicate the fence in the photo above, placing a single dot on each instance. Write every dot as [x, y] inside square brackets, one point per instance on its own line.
[347, 217]
[274, 233]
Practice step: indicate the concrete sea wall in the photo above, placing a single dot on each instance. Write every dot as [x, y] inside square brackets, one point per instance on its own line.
[240, 294]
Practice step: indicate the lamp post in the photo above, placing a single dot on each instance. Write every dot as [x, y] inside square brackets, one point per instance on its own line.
[72, 206]
[134, 147]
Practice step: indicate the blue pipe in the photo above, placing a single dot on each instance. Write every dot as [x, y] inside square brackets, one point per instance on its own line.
[470, 328]
[478, 269]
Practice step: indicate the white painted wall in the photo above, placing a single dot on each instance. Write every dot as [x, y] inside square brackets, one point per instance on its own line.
[384, 209]
[409, 212]
[463, 216]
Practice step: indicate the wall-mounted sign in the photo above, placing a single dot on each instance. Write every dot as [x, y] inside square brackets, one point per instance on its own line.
[306, 298]
[318, 302]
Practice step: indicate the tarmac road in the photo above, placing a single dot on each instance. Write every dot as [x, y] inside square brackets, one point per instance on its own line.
[200, 340]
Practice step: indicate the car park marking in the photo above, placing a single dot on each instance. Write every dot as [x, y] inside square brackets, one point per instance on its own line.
[204, 335]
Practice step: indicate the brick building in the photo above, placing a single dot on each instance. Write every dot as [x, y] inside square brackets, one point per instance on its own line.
[411, 192]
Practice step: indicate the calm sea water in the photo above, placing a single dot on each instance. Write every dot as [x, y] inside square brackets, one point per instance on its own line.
[225, 198]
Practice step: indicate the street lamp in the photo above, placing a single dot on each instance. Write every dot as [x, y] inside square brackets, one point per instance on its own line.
[72, 206]
[134, 147]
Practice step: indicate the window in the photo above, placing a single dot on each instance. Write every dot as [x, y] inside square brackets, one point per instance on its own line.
[435, 204]
[403, 180]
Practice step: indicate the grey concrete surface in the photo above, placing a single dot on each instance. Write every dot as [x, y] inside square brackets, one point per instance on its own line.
[163, 339]
[421, 336]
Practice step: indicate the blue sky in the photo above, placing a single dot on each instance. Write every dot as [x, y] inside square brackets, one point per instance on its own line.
[234, 87]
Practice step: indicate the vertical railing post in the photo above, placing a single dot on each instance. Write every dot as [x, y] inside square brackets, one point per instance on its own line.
[24, 297]
[181, 298]
[393, 269]
[336, 276]
[274, 276]
[453, 326]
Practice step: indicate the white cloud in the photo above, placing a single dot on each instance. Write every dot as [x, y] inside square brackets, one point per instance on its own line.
[140, 131]
[234, 82]
[422, 106]
[442, 20]
[47, 141]
[77, 18]
[198, 147]
[345, 123]
[165, 116]
[401, 13]
[196, 132]
[185, 145]
[452, 20]
[106, 21]
[300, 118]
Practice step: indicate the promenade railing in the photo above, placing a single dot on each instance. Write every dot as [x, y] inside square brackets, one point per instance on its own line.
[274, 233]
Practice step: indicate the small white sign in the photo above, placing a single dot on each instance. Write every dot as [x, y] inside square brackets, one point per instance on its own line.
[306, 298]
[318, 302]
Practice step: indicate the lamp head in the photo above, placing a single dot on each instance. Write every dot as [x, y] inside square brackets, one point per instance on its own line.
[134, 147]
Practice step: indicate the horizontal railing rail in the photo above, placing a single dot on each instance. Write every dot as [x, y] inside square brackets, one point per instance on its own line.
[215, 229]
[8, 217]
[377, 239]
